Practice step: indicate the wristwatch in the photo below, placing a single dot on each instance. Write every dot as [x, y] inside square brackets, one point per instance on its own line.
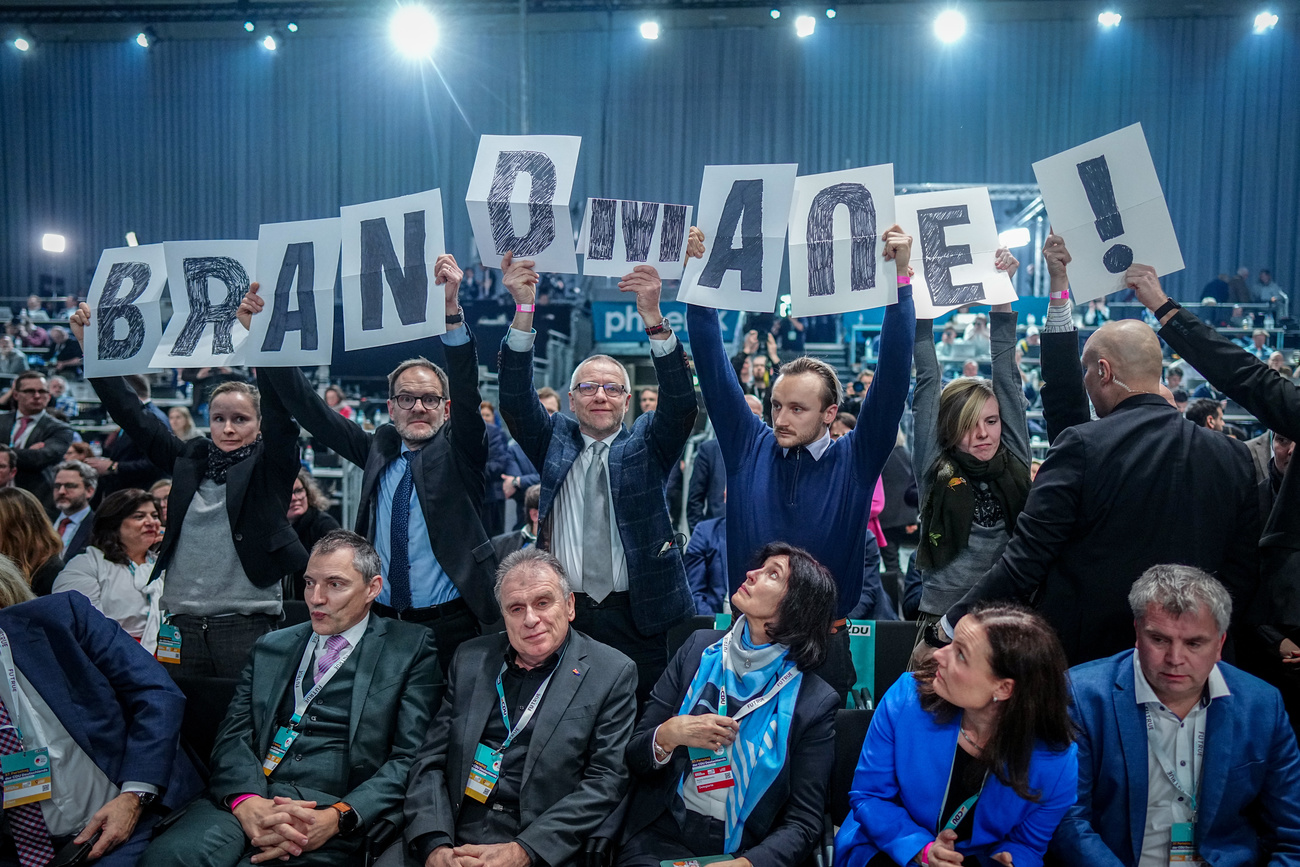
[935, 636]
[661, 328]
[456, 318]
[1170, 304]
[349, 820]
[146, 798]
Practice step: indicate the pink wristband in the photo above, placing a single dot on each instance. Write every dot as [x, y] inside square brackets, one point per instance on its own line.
[242, 798]
[925, 853]
[525, 308]
[904, 280]
[1059, 296]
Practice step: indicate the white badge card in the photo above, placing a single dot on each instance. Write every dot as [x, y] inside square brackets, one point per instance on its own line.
[208, 280]
[1105, 200]
[125, 301]
[837, 224]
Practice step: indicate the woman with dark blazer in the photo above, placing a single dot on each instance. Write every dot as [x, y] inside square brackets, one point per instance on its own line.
[228, 542]
[741, 700]
[969, 761]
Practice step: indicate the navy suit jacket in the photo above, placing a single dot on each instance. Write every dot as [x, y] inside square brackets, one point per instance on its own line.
[708, 490]
[115, 700]
[639, 463]
[706, 565]
[1250, 776]
[80, 539]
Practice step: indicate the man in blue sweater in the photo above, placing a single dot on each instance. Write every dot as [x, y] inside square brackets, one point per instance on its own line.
[792, 482]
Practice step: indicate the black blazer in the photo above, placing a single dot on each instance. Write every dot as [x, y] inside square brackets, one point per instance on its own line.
[55, 437]
[787, 822]
[134, 468]
[1099, 514]
[708, 488]
[1065, 401]
[448, 471]
[80, 539]
[257, 488]
[43, 578]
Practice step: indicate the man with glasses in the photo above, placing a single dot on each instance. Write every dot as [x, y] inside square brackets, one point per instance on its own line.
[8, 466]
[423, 481]
[37, 438]
[602, 484]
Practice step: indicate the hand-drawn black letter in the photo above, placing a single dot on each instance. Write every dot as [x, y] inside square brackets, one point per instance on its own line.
[601, 235]
[408, 280]
[112, 308]
[1095, 175]
[299, 259]
[821, 244]
[639, 229]
[672, 234]
[541, 216]
[940, 259]
[198, 271]
[744, 210]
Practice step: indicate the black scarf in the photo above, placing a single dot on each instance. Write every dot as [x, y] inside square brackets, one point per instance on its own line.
[219, 462]
[950, 507]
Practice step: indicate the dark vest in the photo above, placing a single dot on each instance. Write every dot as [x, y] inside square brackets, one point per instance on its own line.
[318, 759]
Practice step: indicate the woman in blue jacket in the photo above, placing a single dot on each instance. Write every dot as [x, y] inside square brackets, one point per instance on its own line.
[969, 761]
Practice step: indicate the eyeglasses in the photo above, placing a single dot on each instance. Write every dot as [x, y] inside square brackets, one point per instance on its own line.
[298, 492]
[613, 390]
[33, 391]
[430, 400]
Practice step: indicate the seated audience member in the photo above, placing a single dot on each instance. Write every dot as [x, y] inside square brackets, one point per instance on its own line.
[843, 423]
[1257, 345]
[35, 311]
[114, 571]
[706, 565]
[525, 758]
[977, 335]
[27, 538]
[508, 543]
[742, 703]
[309, 517]
[11, 360]
[78, 451]
[1181, 757]
[8, 466]
[74, 486]
[1205, 413]
[1032, 344]
[60, 399]
[969, 760]
[160, 491]
[65, 352]
[109, 717]
[304, 775]
[182, 423]
[1173, 377]
[125, 463]
[37, 438]
[970, 369]
[945, 349]
[334, 400]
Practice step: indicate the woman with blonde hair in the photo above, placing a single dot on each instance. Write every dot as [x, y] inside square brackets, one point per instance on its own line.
[182, 423]
[13, 586]
[28, 538]
[971, 460]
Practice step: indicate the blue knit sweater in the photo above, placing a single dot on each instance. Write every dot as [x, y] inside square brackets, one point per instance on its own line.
[819, 505]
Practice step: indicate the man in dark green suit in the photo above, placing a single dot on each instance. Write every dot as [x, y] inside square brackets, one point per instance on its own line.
[323, 728]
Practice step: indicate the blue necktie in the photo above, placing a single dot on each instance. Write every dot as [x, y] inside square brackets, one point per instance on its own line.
[399, 561]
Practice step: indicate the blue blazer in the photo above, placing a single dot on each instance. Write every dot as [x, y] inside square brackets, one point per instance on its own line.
[905, 743]
[1250, 776]
[708, 489]
[115, 700]
[639, 463]
[706, 565]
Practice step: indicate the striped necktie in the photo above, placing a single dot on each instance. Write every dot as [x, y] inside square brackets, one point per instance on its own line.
[26, 823]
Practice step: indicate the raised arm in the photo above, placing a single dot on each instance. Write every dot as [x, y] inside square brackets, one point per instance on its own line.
[925, 406]
[468, 430]
[1007, 384]
[529, 423]
[1065, 403]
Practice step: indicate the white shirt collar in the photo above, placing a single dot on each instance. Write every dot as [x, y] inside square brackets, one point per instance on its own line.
[352, 634]
[587, 441]
[79, 516]
[1216, 686]
[817, 447]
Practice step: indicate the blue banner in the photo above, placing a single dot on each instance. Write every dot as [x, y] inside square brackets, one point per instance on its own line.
[618, 322]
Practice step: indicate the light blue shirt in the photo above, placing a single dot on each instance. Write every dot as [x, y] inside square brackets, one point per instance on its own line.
[430, 583]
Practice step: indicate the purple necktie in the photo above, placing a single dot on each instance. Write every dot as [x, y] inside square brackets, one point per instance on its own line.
[333, 647]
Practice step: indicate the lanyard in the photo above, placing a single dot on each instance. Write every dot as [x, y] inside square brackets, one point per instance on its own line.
[753, 704]
[300, 701]
[527, 715]
[1166, 764]
[965, 807]
[10, 684]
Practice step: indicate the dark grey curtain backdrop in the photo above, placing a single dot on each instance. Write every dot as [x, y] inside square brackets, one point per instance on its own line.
[207, 139]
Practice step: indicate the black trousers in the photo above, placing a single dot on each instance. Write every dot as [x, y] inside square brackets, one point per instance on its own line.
[663, 839]
[218, 646]
[453, 623]
[610, 622]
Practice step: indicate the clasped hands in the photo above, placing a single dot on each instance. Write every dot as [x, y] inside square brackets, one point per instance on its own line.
[284, 828]
[496, 855]
[943, 852]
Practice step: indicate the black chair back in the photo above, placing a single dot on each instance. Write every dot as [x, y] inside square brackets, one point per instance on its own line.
[207, 699]
[894, 642]
[295, 612]
[850, 732]
[678, 634]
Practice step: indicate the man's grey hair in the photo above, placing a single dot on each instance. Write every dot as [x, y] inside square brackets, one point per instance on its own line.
[1179, 590]
[364, 558]
[573, 380]
[89, 477]
[531, 560]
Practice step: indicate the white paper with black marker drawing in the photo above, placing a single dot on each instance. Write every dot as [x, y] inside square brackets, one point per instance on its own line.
[618, 234]
[296, 266]
[837, 222]
[743, 213]
[518, 200]
[954, 250]
[389, 249]
[125, 300]
[208, 279]
[1104, 199]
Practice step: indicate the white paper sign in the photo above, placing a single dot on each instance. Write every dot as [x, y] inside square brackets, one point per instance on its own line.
[743, 214]
[1105, 200]
[518, 200]
[208, 280]
[389, 251]
[955, 239]
[618, 235]
[125, 300]
[296, 267]
[837, 222]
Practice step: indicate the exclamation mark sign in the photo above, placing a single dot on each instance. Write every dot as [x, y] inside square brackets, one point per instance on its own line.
[1095, 175]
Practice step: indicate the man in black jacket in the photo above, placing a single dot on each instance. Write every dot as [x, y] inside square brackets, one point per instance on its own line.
[124, 464]
[37, 438]
[423, 482]
[1099, 512]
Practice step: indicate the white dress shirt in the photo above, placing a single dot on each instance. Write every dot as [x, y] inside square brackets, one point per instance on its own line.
[121, 593]
[74, 524]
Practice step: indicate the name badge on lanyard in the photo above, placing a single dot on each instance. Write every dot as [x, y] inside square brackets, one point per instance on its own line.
[1182, 844]
[286, 735]
[169, 644]
[27, 775]
[486, 767]
[1182, 835]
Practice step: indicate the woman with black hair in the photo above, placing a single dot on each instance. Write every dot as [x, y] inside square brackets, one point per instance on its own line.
[714, 758]
[970, 760]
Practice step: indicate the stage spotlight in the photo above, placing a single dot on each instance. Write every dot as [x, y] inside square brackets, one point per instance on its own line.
[775, 13]
[830, 13]
[1012, 238]
[414, 31]
[270, 43]
[52, 243]
[132, 240]
[650, 30]
[1109, 19]
[249, 26]
[1265, 21]
[950, 26]
[146, 38]
[804, 26]
[291, 27]
[22, 42]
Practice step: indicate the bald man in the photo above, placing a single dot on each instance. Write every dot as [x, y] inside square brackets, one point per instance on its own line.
[1138, 487]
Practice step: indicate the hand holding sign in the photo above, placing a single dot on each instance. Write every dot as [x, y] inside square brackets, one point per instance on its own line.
[250, 306]
[898, 248]
[79, 320]
[645, 283]
[520, 280]
[1144, 281]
